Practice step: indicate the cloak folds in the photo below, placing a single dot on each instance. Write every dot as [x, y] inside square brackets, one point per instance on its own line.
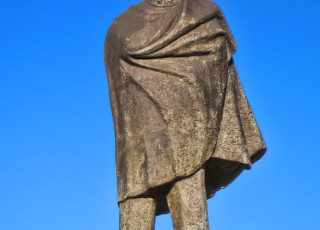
[176, 99]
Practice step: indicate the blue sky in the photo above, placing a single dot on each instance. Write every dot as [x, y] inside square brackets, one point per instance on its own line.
[57, 162]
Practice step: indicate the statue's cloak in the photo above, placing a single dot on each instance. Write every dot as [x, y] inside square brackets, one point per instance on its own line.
[176, 99]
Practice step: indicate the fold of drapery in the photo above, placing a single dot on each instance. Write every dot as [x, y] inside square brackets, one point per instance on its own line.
[176, 98]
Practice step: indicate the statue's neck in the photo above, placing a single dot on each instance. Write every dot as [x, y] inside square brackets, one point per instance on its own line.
[163, 3]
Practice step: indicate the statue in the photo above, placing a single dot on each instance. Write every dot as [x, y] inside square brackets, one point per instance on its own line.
[183, 126]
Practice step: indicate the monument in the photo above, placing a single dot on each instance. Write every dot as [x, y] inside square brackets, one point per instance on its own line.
[183, 126]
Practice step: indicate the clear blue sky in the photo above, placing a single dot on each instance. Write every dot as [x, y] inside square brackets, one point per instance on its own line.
[57, 162]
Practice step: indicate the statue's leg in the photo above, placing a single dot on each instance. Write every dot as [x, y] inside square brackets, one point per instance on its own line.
[187, 202]
[137, 214]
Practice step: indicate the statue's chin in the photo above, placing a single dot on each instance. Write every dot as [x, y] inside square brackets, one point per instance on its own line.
[163, 3]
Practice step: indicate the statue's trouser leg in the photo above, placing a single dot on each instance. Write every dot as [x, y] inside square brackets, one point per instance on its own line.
[187, 202]
[137, 214]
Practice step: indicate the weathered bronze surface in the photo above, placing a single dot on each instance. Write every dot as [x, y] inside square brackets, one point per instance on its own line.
[183, 126]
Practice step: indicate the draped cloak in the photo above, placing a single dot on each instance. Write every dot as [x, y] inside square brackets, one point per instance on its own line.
[177, 102]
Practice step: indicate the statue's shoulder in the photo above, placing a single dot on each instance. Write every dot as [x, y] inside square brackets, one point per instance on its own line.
[204, 6]
[127, 21]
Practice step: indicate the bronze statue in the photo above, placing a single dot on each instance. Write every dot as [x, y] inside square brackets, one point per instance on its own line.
[183, 126]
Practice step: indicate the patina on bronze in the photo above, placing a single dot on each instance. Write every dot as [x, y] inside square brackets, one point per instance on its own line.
[183, 126]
